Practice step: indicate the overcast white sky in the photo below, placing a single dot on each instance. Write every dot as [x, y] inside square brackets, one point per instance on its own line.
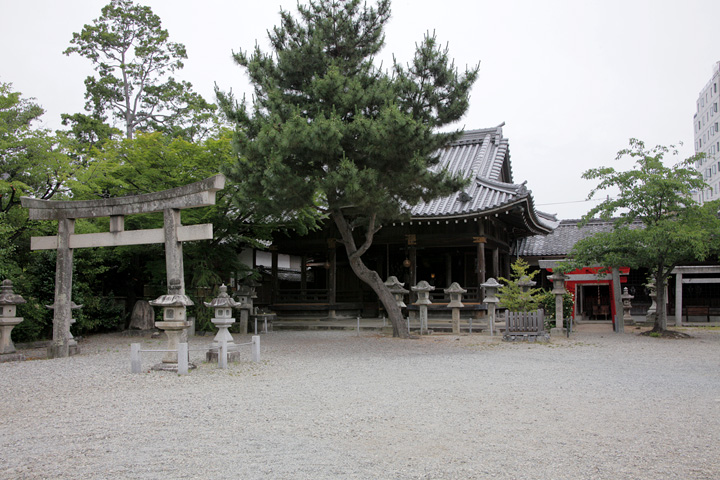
[572, 79]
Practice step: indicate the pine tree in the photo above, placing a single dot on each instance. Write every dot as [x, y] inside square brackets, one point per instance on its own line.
[332, 135]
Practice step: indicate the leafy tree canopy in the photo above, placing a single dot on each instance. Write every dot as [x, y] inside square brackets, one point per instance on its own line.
[133, 58]
[517, 294]
[657, 224]
[330, 133]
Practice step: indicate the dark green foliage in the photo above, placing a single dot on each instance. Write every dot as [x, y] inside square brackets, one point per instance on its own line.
[659, 226]
[513, 295]
[546, 301]
[133, 59]
[330, 134]
[329, 130]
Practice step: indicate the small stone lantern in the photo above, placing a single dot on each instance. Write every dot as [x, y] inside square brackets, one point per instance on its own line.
[223, 305]
[8, 309]
[246, 294]
[558, 279]
[626, 297]
[397, 289]
[455, 292]
[491, 299]
[525, 283]
[423, 290]
[652, 311]
[174, 321]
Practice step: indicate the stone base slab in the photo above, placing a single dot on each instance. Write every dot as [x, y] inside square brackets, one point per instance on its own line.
[212, 356]
[11, 357]
[555, 332]
[170, 367]
[53, 351]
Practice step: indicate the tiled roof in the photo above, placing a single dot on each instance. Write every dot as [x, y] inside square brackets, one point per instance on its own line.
[561, 241]
[483, 155]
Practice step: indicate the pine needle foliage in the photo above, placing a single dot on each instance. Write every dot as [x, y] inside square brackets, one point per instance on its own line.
[332, 135]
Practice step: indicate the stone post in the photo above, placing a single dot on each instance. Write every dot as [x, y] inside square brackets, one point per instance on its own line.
[8, 309]
[54, 350]
[62, 315]
[423, 290]
[174, 322]
[455, 291]
[558, 280]
[626, 297]
[223, 305]
[491, 299]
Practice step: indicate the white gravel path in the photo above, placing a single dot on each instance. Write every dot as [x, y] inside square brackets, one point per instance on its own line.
[332, 405]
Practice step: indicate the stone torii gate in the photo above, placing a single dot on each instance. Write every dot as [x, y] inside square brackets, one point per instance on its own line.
[173, 233]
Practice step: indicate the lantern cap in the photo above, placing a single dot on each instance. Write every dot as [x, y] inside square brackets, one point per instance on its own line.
[223, 300]
[422, 286]
[174, 298]
[394, 285]
[455, 288]
[491, 283]
[7, 296]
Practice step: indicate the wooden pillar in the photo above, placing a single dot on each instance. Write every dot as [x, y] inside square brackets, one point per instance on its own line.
[678, 300]
[332, 274]
[496, 262]
[448, 270]
[303, 275]
[413, 265]
[63, 289]
[480, 267]
[274, 274]
[412, 256]
[173, 248]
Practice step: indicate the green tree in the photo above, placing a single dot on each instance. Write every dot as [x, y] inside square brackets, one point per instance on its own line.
[659, 225]
[517, 294]
[331, 135]
[155, 161]
[133, 59]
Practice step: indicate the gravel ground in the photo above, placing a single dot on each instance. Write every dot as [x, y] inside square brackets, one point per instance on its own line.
[330, 405]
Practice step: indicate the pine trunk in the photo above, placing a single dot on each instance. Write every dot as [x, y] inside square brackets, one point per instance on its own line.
[370, 277]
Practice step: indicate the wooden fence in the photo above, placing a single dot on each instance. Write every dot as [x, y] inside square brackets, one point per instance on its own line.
[524, 324]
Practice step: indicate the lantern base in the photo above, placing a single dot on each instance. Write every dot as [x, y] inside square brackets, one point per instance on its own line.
[56, 350]
[170, 367]
[11, 357]
[212, 356]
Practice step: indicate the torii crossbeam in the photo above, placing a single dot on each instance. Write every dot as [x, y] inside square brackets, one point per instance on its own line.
[173, 233]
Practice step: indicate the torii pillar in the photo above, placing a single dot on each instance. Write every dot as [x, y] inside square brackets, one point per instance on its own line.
[173, 233]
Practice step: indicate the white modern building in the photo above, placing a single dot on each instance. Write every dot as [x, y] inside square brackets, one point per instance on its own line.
[707, 136]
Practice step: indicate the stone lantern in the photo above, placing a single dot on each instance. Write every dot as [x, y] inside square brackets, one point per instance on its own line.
[246, 294]
[8, 309]
[397, 289]
[626, 297]
[525, 283]
[423, 290]
[73, 347]
[558, 279]
[491, 299]
[455, 292]
[652, 311]
[174, 321]
[223, 305]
